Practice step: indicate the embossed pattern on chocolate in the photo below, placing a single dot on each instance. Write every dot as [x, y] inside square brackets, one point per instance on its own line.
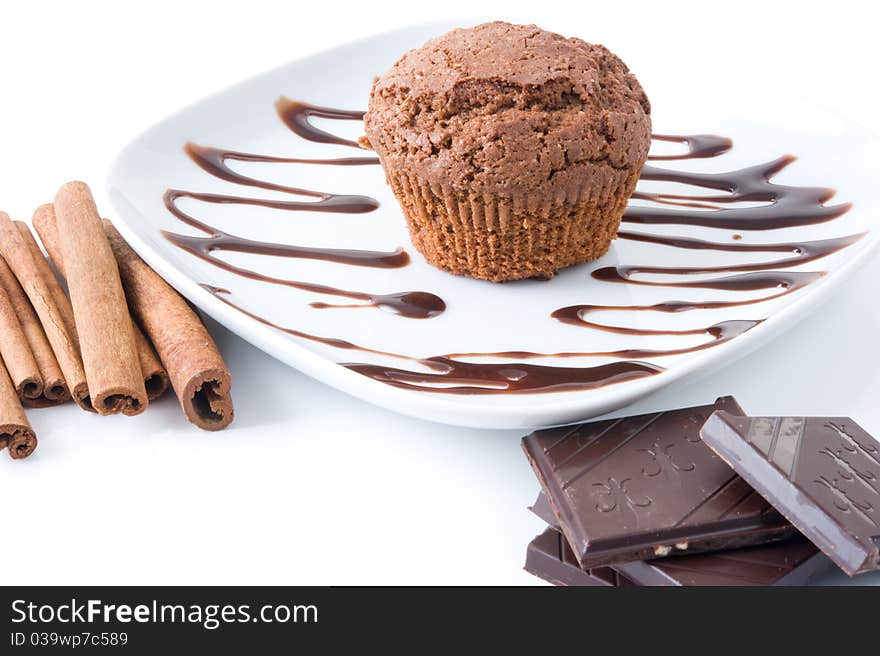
[639, 487]
[822, 473]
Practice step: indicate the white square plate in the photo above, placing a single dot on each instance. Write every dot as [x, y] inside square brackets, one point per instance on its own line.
[480, 317]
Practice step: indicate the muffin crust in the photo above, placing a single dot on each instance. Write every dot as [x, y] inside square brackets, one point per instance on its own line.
[535, 129]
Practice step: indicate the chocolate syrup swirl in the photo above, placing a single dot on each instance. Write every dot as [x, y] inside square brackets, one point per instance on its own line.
[456, 377]
[801, 252]
[506, 378]
[296, 115]
[784, 206]
[744, 282]
[718, 334]
[335, 203]
[214, 161]
[415, 304]
[218, 240]
[222, 294]
[410, 304]
[698, 146]
[781, 206]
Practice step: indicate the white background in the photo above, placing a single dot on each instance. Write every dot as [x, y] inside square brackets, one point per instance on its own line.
[310, 486]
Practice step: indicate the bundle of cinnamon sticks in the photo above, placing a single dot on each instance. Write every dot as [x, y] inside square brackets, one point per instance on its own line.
[112, 343]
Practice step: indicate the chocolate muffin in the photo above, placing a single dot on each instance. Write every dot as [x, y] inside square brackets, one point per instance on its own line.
[511, 150]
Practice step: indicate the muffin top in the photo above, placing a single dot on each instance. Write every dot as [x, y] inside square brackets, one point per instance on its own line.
[508, 109]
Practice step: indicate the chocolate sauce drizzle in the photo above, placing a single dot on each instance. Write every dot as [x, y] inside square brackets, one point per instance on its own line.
[784, 206]
[334, 203]
[781, 207]
[506, 378]
[455, 377]
[414, 304]
[801, 252]
[222, 294]
[718, 334]
[742, 282]
[214, 161]
[218, 240]
[698, 146]
[296, 115]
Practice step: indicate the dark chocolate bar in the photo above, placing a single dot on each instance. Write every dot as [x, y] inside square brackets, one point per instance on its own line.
[642, 487]
[822, 473]
[542, 509]
[793, 562]
[550, 558]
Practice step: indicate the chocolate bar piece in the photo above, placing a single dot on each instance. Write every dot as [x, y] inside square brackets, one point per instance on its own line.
[550, 558]
[793, 562]
[542, 509]
[641, 487]
[822, 473]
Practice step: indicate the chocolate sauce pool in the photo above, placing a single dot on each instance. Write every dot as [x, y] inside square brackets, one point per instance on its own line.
[781, 206]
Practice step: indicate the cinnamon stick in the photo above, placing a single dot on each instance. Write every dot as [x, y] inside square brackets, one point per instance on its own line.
[59, 297]
[199, 375]
[54, 387]
[56, 291]
[16, 352]
[18, 256]
[104, 327]
[154, 374]
[16, 433]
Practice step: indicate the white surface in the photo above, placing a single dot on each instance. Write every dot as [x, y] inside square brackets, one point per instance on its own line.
[310, 485]
[480, 317]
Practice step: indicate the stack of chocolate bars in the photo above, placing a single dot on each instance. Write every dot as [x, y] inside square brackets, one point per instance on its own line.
[705, 496]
